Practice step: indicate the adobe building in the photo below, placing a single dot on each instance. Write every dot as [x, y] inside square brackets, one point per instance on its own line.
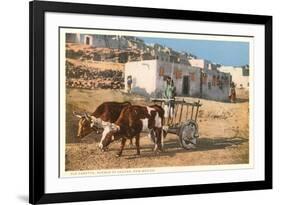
[149, 79]
[240, 75]
[101, 41]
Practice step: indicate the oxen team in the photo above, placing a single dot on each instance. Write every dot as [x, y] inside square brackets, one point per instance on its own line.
[124, 121]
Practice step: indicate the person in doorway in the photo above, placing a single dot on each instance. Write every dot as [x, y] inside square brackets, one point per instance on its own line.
[129, 84]
[232, 93]
[169, 96]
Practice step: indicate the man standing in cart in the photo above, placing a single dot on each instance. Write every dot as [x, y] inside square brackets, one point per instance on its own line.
[169, 96]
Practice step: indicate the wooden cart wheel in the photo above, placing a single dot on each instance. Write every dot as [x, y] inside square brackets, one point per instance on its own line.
[188, 134]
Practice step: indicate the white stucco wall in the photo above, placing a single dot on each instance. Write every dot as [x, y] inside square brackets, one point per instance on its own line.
[186, 70]
[143, 75]
[237, 76]
[200, 63]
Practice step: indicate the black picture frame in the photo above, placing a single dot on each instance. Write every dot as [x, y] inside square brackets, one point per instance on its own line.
[37, 10]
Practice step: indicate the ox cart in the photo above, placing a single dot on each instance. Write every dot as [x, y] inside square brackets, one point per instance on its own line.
[183, 123]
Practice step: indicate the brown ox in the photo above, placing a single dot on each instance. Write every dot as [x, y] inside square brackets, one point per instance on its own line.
[132, 121]
[107, 112]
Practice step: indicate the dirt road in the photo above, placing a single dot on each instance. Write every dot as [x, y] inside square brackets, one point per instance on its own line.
[223, 130]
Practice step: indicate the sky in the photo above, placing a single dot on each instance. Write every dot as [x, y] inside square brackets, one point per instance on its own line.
[228, 53]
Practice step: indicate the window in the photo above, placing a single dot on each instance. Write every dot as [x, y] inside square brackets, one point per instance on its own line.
[226, 80]
[214, 80]
[218, 80]
[192, 76]
[178, 73]
[161, 71]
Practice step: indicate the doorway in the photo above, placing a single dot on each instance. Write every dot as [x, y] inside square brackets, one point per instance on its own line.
[87, 40]
[185, 85]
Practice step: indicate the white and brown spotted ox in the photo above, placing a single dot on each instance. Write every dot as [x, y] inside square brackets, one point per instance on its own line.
[106, 113]
[132, 121]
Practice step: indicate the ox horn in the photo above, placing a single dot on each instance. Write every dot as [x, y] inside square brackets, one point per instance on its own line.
[87, 116]
[76, 114]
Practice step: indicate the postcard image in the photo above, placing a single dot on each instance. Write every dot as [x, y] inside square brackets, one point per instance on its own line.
[135, 102]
